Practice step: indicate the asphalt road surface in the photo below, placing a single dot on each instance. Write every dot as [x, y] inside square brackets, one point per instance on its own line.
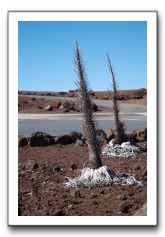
[63, 125]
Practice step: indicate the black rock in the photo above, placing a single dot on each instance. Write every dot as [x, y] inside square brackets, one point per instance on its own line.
[35, 166]
[56, 167]
[75, 193]
[41, 139]
[74, 167]
[59, 213]
[124, 208]
[23, 142]
[63, 140]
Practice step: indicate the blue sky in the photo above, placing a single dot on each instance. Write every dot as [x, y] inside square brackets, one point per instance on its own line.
[46, 54]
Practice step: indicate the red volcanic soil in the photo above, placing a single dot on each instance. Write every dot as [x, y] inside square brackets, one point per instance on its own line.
[42, 190]
[125, 96]
[36, 105]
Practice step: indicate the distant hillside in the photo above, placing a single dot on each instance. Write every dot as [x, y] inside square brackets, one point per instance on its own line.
[122, 94]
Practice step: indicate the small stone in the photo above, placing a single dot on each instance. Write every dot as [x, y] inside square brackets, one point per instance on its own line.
[124, 208]
[56, 167]
[118, 197]
[74, 167]
[23, 142]
[93, 195]
[102, 192]
[95, 203]
[59, 213]
[145, 173]
[75, 193]
[48, 108]
[123, 197]
[130, 194]
[141, 135]
[28, 193]
[35, 166]
[70, 206]
[19, 211]
[28, 165]
[75, 136]
[145, 179]
[76, 202]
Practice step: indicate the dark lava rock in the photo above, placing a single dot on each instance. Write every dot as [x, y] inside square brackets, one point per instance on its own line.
[56, 167]
[19, 211]
[23, 142]
[95, 203]
[123, 197]
[59, 213]
[76, 202]
[102, 192]
[124, 208]
[77, 107]
[130, 194]
[75, 135]
[75, 193]
[63, 140]
[137, 167]
[41, 139]
[35, 166]
[140, 135]
[145, 173]
[74, 167]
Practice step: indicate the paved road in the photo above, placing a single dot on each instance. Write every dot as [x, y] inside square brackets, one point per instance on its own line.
[134, 116]
[58, 125]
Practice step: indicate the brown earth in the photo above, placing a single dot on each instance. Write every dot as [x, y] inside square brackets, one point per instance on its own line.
[36, 105]
[124, 95]
[42, 190]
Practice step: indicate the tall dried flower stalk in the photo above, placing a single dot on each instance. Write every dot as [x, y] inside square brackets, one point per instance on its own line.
[120, 135]
[88, 119]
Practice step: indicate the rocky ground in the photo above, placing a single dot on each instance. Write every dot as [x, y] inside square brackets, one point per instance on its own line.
[51, 106]
[43, 171]
[33, 104]
[45, 163]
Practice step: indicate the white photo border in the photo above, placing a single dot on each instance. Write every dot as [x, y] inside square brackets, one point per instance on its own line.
[151, 18]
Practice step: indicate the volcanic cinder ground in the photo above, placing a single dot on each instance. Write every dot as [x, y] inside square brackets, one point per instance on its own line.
[41, 187]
